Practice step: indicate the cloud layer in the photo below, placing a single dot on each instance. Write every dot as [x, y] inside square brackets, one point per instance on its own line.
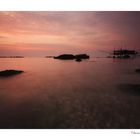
[33, 33]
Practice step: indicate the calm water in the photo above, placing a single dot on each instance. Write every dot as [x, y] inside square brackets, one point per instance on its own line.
[97, 93]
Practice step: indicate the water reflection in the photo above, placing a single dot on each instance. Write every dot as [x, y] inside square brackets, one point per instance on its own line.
[66, 94]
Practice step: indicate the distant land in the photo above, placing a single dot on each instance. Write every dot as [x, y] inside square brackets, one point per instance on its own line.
[11, 56]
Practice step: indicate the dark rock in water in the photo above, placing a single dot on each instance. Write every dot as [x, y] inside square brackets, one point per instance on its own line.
[65, 57]
[78, 60]
[82, 56]
[78, 57]
[137, 70]
[133, 89]
[10, 72]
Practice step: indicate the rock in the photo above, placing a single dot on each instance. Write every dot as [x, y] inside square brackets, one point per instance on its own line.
[10, 72]
[137, 70]
[71, 57]
[132, 89]
[82, 56]
[65, 57]
[78, 60]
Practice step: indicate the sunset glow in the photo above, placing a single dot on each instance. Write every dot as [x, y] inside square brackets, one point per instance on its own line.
[49, 33]
[70, 70]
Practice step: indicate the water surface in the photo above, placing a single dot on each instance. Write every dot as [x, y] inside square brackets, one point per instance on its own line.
[96, 93]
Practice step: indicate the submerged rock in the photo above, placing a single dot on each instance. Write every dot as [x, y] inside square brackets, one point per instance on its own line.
[10, 72]
[78, 60]
[133, 89]
[137, 70]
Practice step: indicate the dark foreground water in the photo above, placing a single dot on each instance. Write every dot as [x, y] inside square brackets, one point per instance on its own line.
[98, 93]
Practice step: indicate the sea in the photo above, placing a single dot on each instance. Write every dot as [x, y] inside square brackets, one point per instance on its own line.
[99, 93]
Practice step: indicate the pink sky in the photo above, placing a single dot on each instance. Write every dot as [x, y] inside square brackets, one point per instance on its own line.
[52, 33]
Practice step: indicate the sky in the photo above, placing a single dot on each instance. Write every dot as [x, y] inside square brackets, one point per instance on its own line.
[37, 33]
